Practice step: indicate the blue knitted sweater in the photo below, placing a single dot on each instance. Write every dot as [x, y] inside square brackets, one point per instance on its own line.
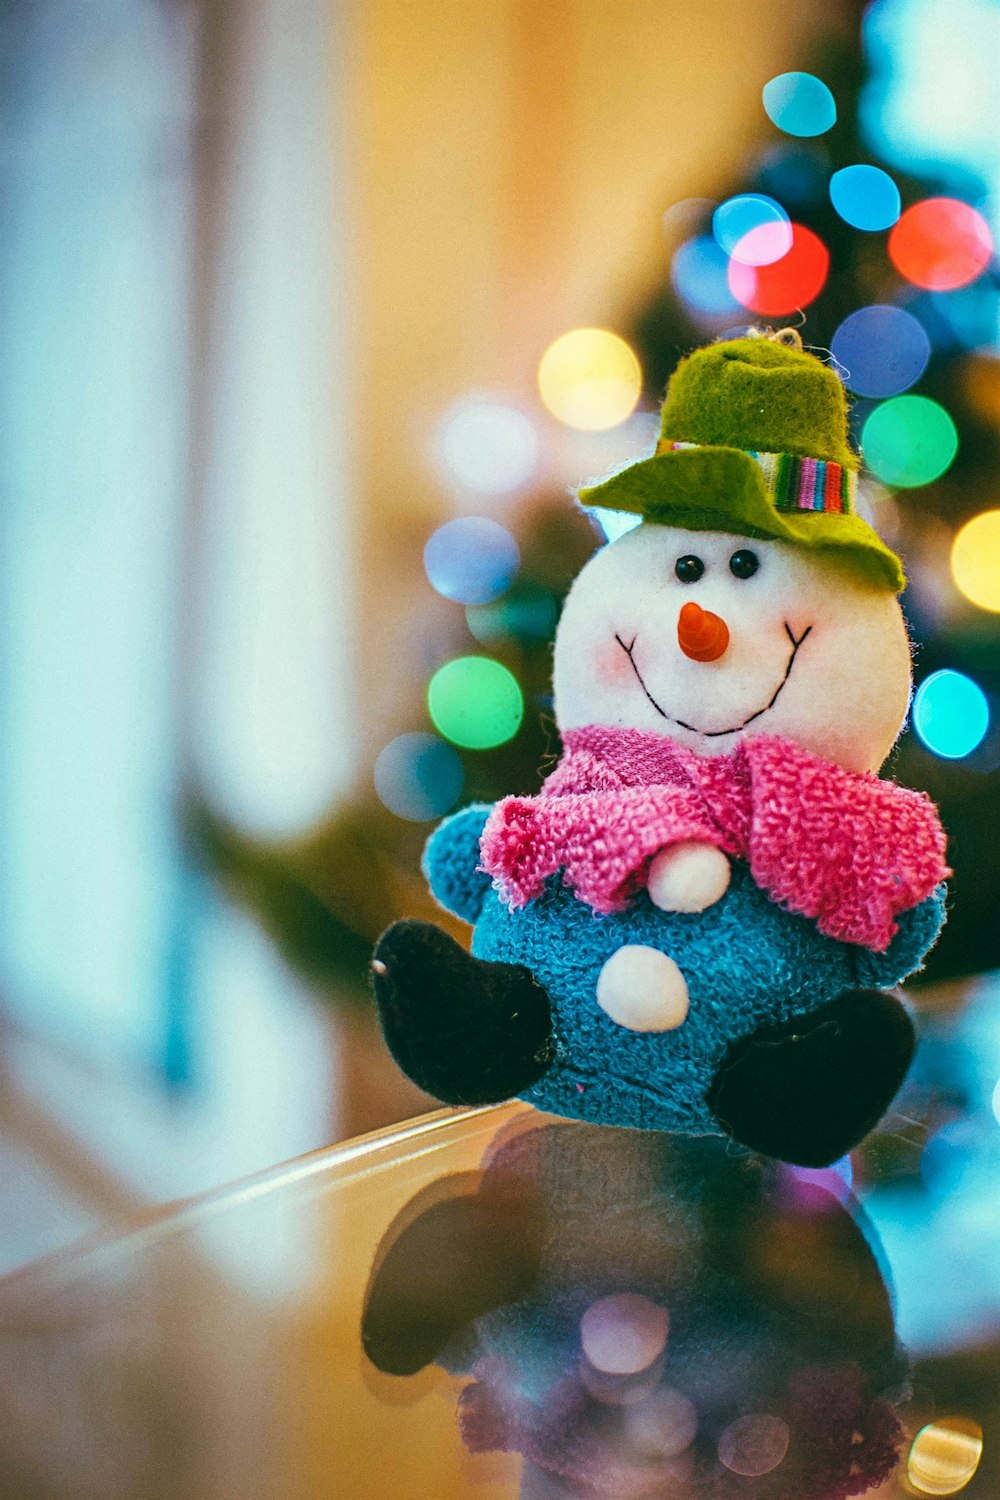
[747, 962]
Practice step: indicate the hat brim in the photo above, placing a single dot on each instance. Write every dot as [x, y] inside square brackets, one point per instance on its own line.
[723, 489]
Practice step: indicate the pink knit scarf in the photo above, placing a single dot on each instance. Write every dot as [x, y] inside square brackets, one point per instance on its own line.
[850, 851]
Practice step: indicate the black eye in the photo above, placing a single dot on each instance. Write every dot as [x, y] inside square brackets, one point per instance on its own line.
[744, 564]
[689, 568]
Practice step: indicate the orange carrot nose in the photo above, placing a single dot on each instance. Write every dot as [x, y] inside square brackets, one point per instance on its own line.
[700, 634]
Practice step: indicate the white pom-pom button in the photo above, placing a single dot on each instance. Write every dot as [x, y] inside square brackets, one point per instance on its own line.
[688, 877]
[643, 989]
[623, 1334]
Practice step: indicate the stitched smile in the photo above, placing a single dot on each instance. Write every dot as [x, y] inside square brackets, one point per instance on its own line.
[712, 734]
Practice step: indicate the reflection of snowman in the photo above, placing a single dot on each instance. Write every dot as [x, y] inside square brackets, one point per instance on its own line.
[645, 1316]
[694, 925]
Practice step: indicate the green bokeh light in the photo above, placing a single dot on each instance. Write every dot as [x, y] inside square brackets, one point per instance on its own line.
[475, 702]
[908, 441]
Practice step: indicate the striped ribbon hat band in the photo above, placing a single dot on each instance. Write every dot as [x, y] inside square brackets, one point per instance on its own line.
[798, 483]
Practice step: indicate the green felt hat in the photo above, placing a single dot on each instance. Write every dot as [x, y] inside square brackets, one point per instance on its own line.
[753, 440]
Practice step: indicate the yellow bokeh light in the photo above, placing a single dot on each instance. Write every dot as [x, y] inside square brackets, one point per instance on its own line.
[975, 560]
[944, 1456]
[590, 379]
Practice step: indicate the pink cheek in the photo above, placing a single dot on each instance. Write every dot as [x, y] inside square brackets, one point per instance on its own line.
[611, 664]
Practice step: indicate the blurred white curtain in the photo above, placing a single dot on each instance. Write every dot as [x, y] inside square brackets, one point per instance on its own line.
[272, 731]
[175, 555]
[95, 172]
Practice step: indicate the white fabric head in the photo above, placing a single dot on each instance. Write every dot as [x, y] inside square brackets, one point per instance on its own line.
[816, 652]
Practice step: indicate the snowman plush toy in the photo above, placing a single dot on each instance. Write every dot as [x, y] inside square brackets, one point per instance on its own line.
[697, 923]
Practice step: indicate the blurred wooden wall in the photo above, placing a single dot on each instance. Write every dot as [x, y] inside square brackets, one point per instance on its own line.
[511, 161]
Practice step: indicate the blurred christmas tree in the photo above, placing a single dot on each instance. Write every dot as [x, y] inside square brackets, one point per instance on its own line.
[325, 898]
[891, 272]
[908, 307]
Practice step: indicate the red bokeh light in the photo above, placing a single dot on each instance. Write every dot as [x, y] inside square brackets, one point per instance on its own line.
[940, 244]
[785, 285]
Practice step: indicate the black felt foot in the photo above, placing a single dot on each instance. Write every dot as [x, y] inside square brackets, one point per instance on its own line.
[810, 1089]
[466, 1031]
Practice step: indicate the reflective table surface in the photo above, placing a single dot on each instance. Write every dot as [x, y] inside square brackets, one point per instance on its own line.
[497, 1303]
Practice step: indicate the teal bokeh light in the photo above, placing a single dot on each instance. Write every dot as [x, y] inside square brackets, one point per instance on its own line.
[800, 104]
[950, 714]
[418, 777]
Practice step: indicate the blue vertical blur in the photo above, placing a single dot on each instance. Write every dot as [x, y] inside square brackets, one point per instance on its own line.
[95, 180]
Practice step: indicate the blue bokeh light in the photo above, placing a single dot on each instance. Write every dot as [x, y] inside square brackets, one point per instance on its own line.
[733, 220]
[950, 714]
[699, 274]
[799, 104]
[882, 350]
[471, 560]
[418, 777]
[865, 197]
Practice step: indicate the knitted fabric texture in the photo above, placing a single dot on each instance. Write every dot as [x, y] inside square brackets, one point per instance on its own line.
[849, 851]
[747, 962]
[451, 863]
